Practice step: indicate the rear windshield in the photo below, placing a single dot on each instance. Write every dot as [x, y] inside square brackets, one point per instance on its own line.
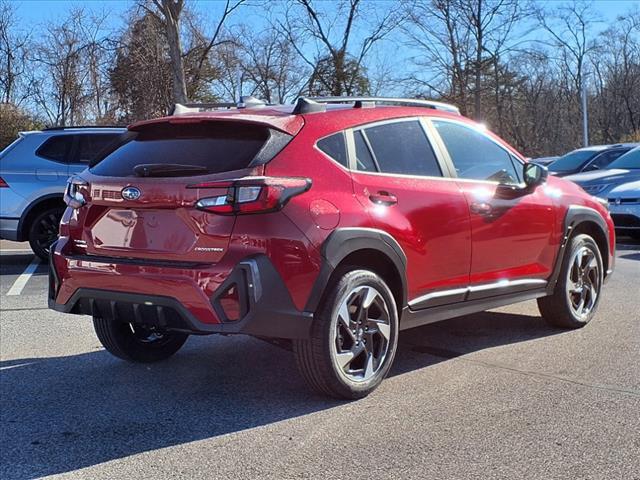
[214, 147]
[572, 160]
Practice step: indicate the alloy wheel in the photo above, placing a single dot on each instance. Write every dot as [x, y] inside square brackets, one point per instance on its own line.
[583, 282]
[47, 231]
[362, 334]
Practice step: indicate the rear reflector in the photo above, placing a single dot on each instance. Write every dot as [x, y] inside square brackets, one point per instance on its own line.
[251, 194]
[3, 184]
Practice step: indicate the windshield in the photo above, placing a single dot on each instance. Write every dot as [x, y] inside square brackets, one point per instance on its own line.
[573, 160]
[628, 160]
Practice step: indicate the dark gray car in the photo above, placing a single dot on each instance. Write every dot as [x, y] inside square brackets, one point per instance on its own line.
[587, 159]
[600, 182]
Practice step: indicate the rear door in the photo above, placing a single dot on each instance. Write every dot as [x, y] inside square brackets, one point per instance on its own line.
[405, 189]
[512, 228]
[150, 213]
[54, 154]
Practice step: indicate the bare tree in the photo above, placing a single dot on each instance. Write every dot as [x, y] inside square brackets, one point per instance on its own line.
[616, 68]
[442, 38]
[571, 30]
[169, 13]
[14, 47]
[272, 65]
[61, 76]
[337, 67]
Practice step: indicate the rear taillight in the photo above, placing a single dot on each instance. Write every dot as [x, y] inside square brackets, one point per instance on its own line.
[251, 194]
[72, 195]
[3, 184]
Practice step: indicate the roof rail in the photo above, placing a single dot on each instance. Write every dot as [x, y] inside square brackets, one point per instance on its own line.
[69, 127]
[364, 102]
[245, 102]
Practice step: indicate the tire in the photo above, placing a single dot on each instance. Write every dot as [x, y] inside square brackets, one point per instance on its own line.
[351, 362]
[137, 344]
[577, 293]
[43, 231]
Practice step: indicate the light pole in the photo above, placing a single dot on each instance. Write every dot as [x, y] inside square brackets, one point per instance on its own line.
[585, 114]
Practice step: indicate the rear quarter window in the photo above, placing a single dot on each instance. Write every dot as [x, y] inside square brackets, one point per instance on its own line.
[216, 146]
[56, 148]
[90, 145]
[336, 147]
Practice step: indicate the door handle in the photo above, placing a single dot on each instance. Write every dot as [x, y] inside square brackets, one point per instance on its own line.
[481, 208]
[383, 198]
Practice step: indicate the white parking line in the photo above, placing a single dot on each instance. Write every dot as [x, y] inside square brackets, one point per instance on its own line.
[15, 250]
[21, 281]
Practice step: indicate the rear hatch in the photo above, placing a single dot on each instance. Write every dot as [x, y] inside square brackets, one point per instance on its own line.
[139, 200]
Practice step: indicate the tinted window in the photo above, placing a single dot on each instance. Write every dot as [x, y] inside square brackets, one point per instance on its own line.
[90, 145]
[475, 156]
[603, 160]
[56, 148]
[364, 160]
[217, 147]
[628, 160]
[572, 160]
[402, 147]
[335, 147]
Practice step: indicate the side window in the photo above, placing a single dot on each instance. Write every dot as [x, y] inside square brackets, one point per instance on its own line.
[403, 147]
[475, 156]
[603, 160]
[336, 147]
[90, 145]
[56, 148]
[364, 160]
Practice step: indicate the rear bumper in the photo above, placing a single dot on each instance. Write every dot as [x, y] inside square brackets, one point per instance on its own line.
[176, 297]
[9, 228]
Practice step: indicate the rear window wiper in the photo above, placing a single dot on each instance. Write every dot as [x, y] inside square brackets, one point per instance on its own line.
[168, 170]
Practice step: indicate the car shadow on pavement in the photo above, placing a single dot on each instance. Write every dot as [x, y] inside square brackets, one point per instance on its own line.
[14, 264]
[65, 413]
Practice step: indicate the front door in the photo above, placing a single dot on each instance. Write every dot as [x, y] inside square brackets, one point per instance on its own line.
[400, 182]
[512, 228]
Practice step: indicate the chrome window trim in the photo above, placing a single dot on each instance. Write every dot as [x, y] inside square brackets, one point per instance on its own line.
[442, 165]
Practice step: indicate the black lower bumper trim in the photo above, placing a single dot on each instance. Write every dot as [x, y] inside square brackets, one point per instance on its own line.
[271, 314]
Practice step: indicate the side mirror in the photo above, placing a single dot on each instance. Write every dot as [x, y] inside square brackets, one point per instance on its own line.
[534, 174]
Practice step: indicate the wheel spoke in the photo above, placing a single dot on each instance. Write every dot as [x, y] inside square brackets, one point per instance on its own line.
[380, 326]
[368, 369]
[573, 286]
[344, 358]
[368, 297]
[344, 316]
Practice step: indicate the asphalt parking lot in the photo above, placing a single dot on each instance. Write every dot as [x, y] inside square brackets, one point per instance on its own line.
[492, 395]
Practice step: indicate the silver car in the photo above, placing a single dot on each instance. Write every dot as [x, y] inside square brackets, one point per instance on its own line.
[33, 174]
[624, 205]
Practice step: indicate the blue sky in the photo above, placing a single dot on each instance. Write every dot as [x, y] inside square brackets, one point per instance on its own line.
[40, 11]
[388, 56]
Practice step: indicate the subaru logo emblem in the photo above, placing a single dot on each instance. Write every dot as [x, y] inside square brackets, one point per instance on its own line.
[131, 193]
[618, 201]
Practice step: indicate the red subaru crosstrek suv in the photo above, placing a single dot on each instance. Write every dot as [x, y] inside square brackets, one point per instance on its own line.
[332, 224]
